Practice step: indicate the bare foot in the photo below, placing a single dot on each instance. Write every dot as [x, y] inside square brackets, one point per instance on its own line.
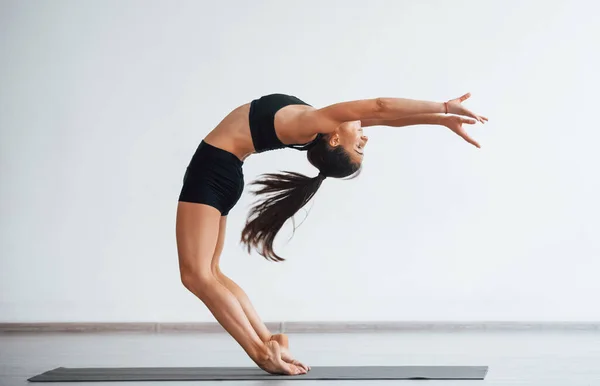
[275, 365]
[283, 341]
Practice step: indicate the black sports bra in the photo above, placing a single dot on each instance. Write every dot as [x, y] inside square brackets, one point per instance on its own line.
[262, 122]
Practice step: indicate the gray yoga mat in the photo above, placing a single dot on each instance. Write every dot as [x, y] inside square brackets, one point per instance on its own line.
[63, 374]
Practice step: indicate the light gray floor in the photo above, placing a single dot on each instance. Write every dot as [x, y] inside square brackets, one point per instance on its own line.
[515, 358]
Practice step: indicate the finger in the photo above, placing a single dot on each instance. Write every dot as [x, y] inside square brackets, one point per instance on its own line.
[472, 141]
[463, 134]
[469, 113]
[481, 118]
[468, 120]
[465, 97]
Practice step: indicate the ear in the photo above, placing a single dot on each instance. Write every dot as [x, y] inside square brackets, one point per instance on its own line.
[334, 140]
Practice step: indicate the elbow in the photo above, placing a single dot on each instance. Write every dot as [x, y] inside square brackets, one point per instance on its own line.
[381, 107]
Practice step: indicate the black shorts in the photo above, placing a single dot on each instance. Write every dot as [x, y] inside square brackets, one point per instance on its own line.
[214, 177]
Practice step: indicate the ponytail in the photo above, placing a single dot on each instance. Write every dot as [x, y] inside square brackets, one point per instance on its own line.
[287, 193]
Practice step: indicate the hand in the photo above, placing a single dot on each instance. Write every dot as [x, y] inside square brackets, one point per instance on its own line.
[455, 107]
[286, 356]
[455, 123]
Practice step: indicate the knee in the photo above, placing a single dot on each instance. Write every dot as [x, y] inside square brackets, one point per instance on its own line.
[198, 282]
[216, 271]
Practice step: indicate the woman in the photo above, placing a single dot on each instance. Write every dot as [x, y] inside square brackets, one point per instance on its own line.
[334, 143]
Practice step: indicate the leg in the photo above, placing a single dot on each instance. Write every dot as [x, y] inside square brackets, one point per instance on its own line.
[258, 325]
[197, 230]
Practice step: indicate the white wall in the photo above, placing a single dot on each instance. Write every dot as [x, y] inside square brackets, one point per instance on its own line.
[103, 103]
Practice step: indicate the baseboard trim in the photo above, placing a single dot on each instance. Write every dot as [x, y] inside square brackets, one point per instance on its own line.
[78, 327]
[332, 327]
[299, 327]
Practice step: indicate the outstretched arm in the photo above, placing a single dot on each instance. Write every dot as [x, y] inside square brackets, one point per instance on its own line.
[379, 109]
[453, 122]
[410, 120]
[327, 119]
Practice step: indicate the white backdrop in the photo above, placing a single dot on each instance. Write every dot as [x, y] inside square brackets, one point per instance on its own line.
[102, 104]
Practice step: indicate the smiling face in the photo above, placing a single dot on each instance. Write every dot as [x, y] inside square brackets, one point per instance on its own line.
[349, 135]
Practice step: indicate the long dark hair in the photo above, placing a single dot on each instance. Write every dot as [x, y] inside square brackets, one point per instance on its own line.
[287, 192]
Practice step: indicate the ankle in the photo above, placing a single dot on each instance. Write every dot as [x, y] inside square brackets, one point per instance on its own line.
[260, 354]
[282, 339]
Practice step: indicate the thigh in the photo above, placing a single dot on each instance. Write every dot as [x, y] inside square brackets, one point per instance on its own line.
[219, 247]
[197, 232]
